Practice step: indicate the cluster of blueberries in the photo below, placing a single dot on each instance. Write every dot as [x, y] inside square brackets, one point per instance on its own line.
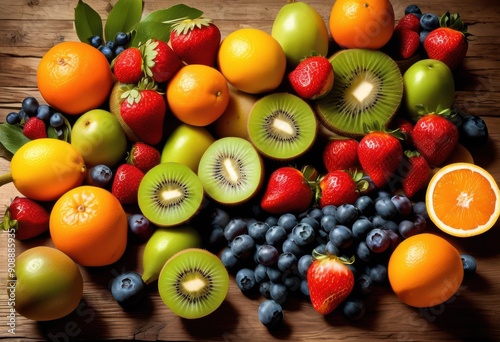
[428, 21]
[30, 107]
[111, 48]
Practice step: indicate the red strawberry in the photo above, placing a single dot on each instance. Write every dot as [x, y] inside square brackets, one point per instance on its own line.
[126, 183]
[448, 43]
[336, 188]
[160, 61]
[35, 128]
[142, 114]
[405, 43]
[27, 217]
[379, 154]
[144, 156]
[341, 154]
[435, 137]
[410, 22]
[312, 78]
[414, 173]
[287, 191]
[127, 66]
[405, 127]
[330, 281]
[196, 41]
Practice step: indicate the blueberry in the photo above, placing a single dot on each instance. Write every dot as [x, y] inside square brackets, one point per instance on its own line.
[267, 255]
[303, 265]
[329, 209]
[107, 52]
[236, 226]
[260, 273]
[287, 261]
[341, 236]
[274, 274]
[364, 253]
[265, 289]
[365, 205]
[394, 237]
[100, 175]
[228, 259]
[315, 213]
[56, 120]
[245, 279]
[257, 230]
[332, 249]
[303, 234]
[377, 240]
[96, 41]
[347, 214]
[276, 235]
[327, 222]
[30, 106]
[420, 222]
[271, 221]
[423, 35]
[473, 131]
[289, 245]
[354, 308]
[406, 228]
[22, 114]
[292, 282]
[243, 246]
[469, 263]
[310, 221]
[139, 227]
[364, 284]
[13, 118]
[420, 208]
[128, 288]
[287, 221]
[403, 205]
[111, 45]
[361, 227]
[279, 292]
[44, 112]
[386, 208]
[413, 9]
[270, 313]
[119, 49]
[321, 249]
[121, 39]
[304, 287]
[219, 217]
[429, 21]
[216, 236]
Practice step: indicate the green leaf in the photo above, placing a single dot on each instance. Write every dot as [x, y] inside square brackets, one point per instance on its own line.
[88, 23]
[158, 23]
[122, 18]
[12, 137]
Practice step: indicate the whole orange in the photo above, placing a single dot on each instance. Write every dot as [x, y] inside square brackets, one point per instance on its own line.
[89, 225]
[74, 77]
[252, 60]
[425, 270]
[197, 94]
[362, 23]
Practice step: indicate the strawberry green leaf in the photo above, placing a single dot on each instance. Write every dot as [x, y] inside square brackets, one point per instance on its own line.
[88, 23]
[122, 18]
[159, 23]
[11, 138]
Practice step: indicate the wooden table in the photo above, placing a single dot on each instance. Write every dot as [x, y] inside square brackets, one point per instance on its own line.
[29, 28]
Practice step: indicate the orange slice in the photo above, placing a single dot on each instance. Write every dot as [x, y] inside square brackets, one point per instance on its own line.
[463, 199]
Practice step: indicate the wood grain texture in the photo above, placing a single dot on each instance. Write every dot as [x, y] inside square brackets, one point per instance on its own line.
[29, 28]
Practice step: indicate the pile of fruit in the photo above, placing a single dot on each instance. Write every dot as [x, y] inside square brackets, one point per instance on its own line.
[298, 167]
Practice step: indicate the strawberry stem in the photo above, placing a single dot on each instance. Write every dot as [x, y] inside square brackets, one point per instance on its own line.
[320, 256]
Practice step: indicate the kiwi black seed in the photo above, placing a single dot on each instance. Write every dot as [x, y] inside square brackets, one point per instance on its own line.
[231, 170]
[169, 194]
[366, 94]
[282, 126]
[193, 283]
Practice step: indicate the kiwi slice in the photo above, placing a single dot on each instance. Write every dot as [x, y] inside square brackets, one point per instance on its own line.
[193, 283]
[282, 126]
[231, 170]
[366, 93]
[169, 194]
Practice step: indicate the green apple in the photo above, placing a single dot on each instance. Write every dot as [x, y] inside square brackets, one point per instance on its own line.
[99, 137]
[48, 284]
[429, 86]
[186, 145]
[300, 30]
[164, 243]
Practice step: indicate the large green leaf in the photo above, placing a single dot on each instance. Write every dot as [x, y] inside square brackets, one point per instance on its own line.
[88, 23]
[158, 23]
[122, 18]
[11, 137]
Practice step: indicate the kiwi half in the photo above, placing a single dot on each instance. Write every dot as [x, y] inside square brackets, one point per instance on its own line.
[366, 93]
[282, 126]
[169, 194]
[193, 283]
[231, 170]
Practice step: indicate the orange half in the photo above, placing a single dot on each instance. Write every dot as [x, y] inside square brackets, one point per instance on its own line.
[463, 199]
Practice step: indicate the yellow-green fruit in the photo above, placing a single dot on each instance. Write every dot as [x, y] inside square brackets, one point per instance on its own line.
[186, 145]
[48, 284]
[300, 30]
[164, 243]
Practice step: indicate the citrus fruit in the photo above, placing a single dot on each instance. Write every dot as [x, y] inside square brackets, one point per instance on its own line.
[89, 225]
[74, 77]
[252, 60]
[425, 270]
[48, 284]
[364, 24]
[44, 169]
[463, 199]
[197, 94]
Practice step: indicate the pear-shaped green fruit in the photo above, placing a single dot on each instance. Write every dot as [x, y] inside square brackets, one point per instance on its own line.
[164, 243]
[301, 32]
